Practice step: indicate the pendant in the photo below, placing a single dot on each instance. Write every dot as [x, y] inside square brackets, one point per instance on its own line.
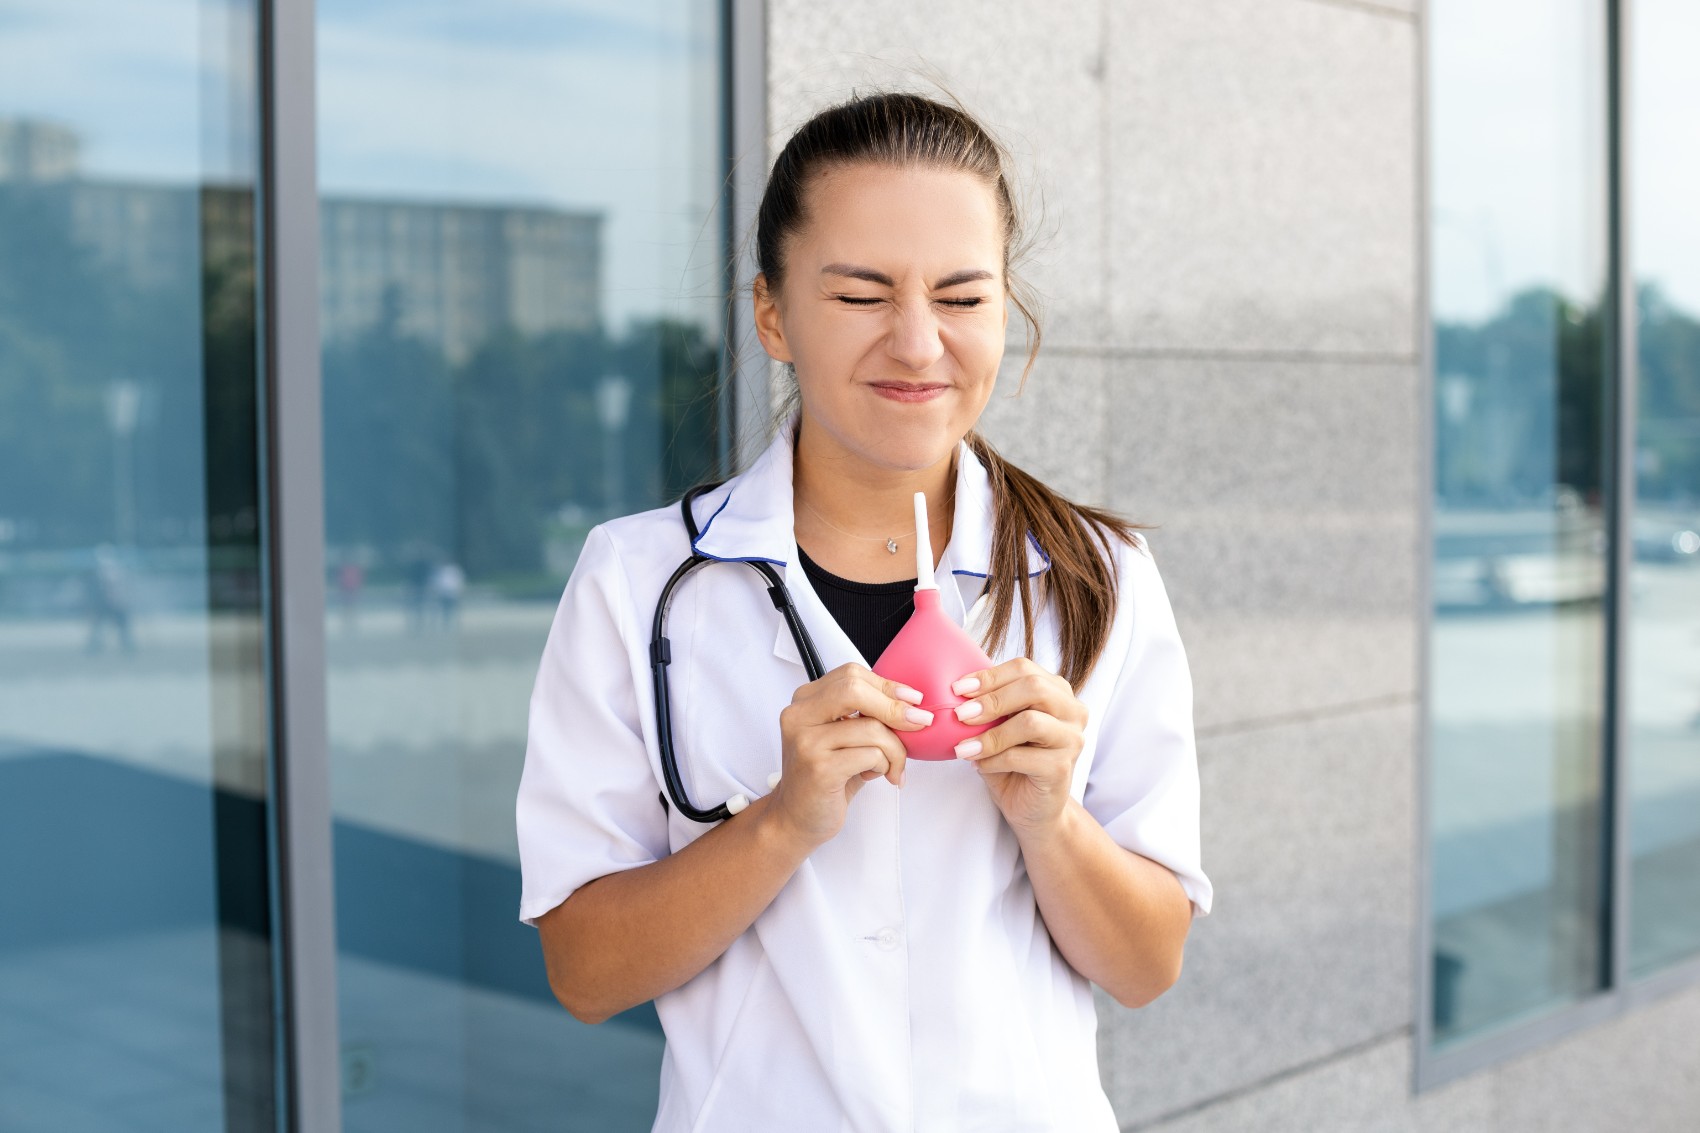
[891, 545]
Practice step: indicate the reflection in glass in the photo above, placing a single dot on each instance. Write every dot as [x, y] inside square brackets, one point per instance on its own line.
[1519, 576]
[1664, 628]
[135, 987]
[522, 302]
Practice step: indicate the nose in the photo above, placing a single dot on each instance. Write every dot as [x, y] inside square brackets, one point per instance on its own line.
[914, 339]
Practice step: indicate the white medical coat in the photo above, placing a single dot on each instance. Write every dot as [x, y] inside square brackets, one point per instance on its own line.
[903, 978]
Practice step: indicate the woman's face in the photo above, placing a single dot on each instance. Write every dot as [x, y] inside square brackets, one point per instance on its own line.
[893, 311]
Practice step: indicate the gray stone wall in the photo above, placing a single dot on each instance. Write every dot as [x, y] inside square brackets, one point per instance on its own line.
[1230, 258]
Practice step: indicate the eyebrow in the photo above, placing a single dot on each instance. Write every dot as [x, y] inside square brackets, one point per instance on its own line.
[851, 271]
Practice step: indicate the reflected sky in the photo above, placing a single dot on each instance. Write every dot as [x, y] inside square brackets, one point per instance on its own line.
[599, 105]
[585, 105]
[1485, 251]
[1520, 127]
[1666, 147]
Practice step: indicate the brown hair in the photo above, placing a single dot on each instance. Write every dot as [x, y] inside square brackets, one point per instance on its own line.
[901, 129]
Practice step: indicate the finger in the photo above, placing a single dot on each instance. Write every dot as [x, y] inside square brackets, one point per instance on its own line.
[871, 733]
[862, 732]
[1030, 727]
[852, 690]
[984, 680]
[1047, 767]
[850, 672]
[1030, 690]
[871, 700]
[894, 689]
[867, 762]
[824, 764]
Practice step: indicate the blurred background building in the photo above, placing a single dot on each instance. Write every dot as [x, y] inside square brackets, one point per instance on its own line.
[328, 330]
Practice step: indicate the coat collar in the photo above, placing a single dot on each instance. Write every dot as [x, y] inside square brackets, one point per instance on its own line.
[750, 516]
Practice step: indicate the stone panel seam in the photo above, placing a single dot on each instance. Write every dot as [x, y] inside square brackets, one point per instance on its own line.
[1348, 357]
[1310, 715]
[1106, 193]
[1364, 1047]
[1370, 8]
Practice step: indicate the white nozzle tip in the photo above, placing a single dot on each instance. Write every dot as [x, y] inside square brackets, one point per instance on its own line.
[924, 579]
[773, 780]
[737, 803]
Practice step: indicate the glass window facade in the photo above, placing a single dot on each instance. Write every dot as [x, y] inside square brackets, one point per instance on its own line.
[1517, 651]
[522, 298]
[135, 928]
[1564, 681]
[1663, 691]
[522, 304]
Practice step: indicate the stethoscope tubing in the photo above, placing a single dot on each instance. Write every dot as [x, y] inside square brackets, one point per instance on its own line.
[661, 656]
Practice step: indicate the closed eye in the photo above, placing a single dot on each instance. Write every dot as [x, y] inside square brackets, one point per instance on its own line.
[869, 301]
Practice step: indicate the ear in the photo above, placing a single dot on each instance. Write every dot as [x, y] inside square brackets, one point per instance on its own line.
[770, 322]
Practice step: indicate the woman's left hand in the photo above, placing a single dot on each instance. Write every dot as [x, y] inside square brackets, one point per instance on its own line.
[1028, 760]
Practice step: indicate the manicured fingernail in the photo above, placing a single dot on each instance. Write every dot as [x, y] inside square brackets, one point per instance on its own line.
[968, 711]
[966, 686]
[917, 716]
[968, 749]
[913, 696]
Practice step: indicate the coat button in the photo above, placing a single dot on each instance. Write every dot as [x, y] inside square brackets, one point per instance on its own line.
[887, 939]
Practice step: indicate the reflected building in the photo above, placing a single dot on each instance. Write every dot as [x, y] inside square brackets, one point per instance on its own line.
[449, 273]
[33, 150]
[454, 273]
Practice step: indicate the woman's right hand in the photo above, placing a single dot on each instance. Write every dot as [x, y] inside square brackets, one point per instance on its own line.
[838, 733]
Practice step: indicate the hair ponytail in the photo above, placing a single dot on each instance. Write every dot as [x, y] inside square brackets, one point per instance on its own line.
[1081, 582]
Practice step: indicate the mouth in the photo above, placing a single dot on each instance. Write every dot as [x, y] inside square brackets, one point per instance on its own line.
[910, 391]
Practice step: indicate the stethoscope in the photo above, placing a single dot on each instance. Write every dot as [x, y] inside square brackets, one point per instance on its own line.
[661, 655]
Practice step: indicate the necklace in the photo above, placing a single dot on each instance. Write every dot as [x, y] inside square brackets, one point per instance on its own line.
[890, 543]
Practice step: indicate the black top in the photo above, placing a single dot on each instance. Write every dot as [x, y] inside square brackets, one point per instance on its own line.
[870, 613]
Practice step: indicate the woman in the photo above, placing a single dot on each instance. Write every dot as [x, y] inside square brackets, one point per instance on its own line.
[874, 944]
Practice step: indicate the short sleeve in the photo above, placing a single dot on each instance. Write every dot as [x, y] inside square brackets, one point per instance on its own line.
[588, 802]
[1143, 784]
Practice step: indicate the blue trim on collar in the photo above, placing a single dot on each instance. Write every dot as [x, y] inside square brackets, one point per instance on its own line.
[1031, 538]
[751, 559]
[703, 534]
[1030, 574]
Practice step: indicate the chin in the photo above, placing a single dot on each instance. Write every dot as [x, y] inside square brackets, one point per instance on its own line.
[911, 448]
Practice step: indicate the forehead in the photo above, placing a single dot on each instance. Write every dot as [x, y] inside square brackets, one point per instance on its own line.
[891, 218]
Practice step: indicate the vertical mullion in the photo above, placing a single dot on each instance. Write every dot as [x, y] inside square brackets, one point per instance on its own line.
[1423, 937]
[289, 234]
[747, 138]
[1622, 373]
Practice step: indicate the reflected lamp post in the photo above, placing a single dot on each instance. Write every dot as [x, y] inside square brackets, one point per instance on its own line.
[123, 409]
[613, 406]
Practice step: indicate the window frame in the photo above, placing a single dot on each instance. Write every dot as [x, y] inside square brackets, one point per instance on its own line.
[1620, 994]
